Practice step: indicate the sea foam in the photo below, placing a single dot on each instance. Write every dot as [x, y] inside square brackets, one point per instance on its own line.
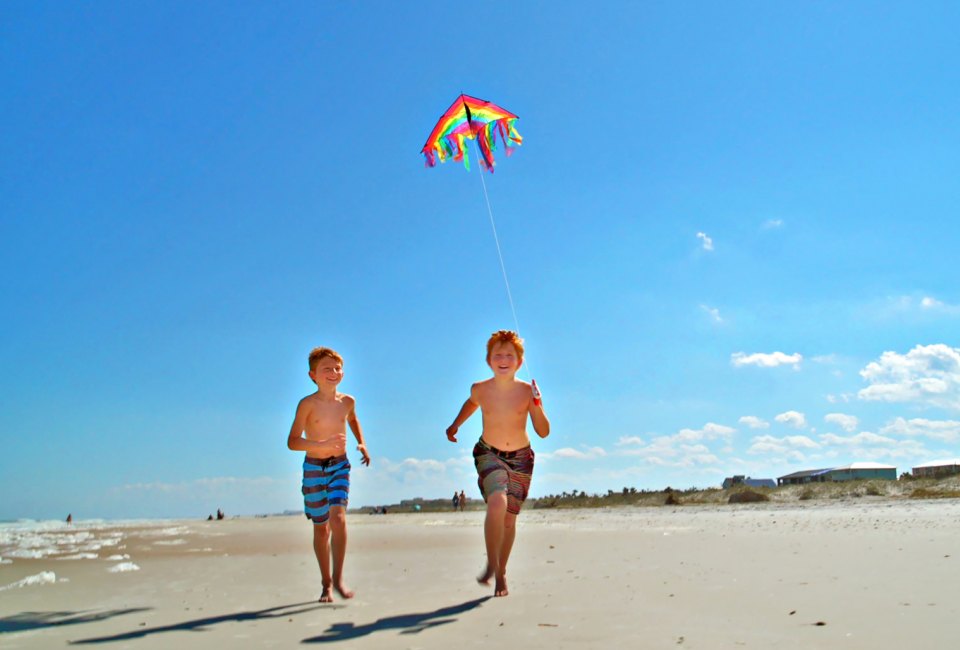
[42, 578]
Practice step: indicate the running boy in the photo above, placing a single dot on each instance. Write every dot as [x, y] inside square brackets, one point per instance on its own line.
[319, 428]
[502, 456]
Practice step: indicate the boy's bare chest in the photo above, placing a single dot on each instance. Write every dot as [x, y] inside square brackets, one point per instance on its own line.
[501, 404]
[328, 413]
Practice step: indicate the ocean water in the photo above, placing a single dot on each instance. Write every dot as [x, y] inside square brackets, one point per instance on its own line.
[83, 540]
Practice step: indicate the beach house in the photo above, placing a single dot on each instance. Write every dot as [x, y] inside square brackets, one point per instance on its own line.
[851, 472]
[805, 476]
[937, 468]
[740, 479]
[855, 471]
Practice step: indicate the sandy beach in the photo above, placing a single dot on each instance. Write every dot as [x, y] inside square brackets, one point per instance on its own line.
[860, 573]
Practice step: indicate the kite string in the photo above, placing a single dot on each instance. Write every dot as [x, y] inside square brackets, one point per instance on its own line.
[503, 267]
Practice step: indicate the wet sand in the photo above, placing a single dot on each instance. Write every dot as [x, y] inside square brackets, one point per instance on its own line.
[861, 573]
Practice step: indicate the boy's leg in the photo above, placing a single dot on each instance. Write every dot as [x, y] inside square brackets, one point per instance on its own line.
[493, 533]
[338, 528]
[509, 534]
[321, 548]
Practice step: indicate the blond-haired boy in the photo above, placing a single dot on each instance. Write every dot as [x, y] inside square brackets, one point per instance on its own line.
[503, 456]
[319, 428]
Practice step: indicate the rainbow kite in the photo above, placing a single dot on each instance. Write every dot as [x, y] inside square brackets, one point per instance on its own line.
[468, 118]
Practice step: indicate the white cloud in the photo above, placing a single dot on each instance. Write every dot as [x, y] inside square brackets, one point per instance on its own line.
[754, 422]
[418, 473]
[800, 441]
[795, 419]
[630, 440]
[942, 430]
[770, 224]
[765, 360]
[871, 446]
[589, 453]
[927, 374]
[861, 439]
[788, 447]
[684, 449]
[710, 431]
[714, 314]
[930, 303]
[707, 241]
[848, 423]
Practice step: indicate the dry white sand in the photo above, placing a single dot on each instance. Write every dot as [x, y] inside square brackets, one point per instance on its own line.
[857, 574]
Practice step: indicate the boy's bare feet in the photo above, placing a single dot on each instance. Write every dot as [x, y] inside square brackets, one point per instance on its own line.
[325, 595]
[501, 587]
[484, 578]
[343, 590]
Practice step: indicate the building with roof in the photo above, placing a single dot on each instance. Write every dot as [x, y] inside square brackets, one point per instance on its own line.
[740, 479]
[855, 471]
[851, 472]
[806, 476]
[936, 468]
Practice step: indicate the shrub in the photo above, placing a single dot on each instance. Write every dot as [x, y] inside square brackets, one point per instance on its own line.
[747, 496]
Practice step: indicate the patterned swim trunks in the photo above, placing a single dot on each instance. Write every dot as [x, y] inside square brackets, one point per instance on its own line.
[326, 482]
[504, 471]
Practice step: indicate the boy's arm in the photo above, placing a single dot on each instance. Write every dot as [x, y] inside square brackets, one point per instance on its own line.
[357, 432]
[469, 408]
[537, 415]
[295, 439]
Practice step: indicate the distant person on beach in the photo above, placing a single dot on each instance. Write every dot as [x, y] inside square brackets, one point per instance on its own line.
[70, 518]
[220, 514]
[456, 501]
[463, 501]
[503, 456]
[320, 429]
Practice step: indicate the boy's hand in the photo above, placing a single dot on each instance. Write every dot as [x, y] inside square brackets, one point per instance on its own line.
[452, 433]
[537, 397]
[363, 451]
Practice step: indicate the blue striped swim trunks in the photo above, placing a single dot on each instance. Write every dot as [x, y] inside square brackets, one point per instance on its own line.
[326, 482]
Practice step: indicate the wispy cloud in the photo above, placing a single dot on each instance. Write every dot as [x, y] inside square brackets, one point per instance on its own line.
[848, 423]
[791, 447]
[765, 359]
[927, 374]
[771, 224]
[413, 470]
[917, 304]
[586, 453]
[713, 313]
[754, 422]
[867, 445]
[685, 449]
[841, 398]
[216, 484]
[941, 430]
[705, 240]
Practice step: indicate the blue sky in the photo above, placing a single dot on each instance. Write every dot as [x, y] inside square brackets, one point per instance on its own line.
[731, 236]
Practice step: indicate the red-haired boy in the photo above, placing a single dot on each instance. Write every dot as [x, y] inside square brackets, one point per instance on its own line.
[502, 456]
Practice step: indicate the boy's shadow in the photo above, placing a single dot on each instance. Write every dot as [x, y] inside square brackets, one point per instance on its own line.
[409, 623]
[201, 623]
[39, 620]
